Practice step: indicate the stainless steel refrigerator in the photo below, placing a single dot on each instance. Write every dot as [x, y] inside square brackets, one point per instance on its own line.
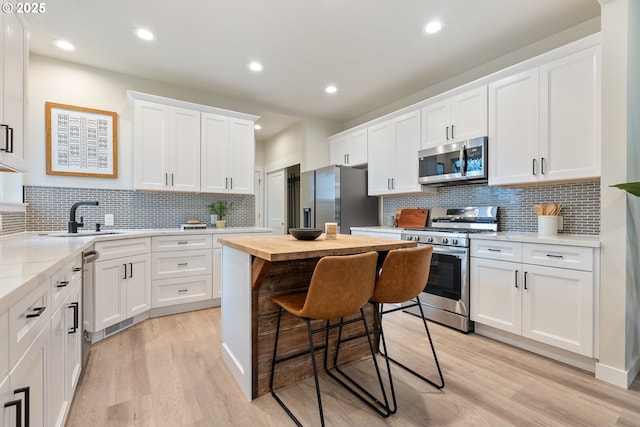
[336, 194]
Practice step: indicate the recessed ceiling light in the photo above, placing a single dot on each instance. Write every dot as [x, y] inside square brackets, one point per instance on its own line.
[433, 27]
[257, 127]
[145, 34]
[64, 45]
[255, 66]
[331, 89]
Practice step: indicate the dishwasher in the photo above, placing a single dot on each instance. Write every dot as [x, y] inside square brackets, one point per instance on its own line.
[88, 260]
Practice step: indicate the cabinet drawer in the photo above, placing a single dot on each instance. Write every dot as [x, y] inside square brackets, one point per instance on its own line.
[183, 242]
[572, 257]
[26, 319]
[63, 280]
[121, 248]
[180, 290]
[497, 249]
[165, 265]
[4, 345]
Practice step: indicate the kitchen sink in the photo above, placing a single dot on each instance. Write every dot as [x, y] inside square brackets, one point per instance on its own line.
[82, 233]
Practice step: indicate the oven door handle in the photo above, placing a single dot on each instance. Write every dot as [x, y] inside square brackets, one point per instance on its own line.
[449, 251]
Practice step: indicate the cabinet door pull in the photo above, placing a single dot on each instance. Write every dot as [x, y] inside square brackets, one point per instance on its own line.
[37, 312]
[18, 405]
[542, 165]
[525, 280]
[516, 277]
[393, 183]
[130, 270]
[76, 269]
[62, 284]
[494, 250]
[344, 159]
[447, 133]
[180, 291]
[533, 171]
[452, 137]
[555, 256]
[6, 139]
[125, 271]
[183, 243]
[166, 179]
[348, 159]
[10, 150]
[24, 390]
[388, 183]
[183, 264]
[74, 328]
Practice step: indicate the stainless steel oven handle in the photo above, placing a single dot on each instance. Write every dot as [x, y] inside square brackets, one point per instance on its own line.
[446, 250]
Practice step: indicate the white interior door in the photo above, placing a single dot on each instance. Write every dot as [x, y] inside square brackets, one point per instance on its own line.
[258, 185]
[276, 201]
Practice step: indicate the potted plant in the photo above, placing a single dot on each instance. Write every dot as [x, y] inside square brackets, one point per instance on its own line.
[220, 208]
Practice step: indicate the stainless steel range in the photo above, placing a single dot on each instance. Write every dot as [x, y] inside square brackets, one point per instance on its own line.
[445, 298]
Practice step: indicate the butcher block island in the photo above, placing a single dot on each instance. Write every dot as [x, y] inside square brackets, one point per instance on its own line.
[254, 269]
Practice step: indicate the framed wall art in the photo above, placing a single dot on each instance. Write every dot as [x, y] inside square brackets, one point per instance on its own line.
[81, 141]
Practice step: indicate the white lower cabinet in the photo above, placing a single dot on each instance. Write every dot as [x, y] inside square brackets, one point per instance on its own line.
[181, 269]
[541, 292]
[216, 270]
[122, 284]
[65, 361]
[27, 385]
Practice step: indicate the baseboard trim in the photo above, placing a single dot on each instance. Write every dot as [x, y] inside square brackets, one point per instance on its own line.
[564, 356]
[618, 377]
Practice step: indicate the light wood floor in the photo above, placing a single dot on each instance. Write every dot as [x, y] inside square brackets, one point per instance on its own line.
[168, 371]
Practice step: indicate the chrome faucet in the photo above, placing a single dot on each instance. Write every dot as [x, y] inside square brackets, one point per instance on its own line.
[73, 225]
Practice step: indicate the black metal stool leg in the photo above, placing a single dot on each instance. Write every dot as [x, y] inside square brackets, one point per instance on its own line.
[439, 385]
[273, 366]
[382, 408]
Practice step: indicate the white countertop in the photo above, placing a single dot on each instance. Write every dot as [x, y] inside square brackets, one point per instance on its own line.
[379, 228]
[26, 259]
[584, 240]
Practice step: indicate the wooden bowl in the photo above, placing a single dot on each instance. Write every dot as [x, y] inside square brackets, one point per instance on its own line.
[305, 233]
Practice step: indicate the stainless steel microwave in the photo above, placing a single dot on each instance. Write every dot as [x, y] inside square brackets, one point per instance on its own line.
[456, 163]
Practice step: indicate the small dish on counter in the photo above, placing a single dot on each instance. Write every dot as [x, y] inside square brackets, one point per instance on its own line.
[305, 233]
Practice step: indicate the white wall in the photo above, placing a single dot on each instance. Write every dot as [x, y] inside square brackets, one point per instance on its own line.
[527, 52]
[619, 301]
[284, 149]
[68, 83]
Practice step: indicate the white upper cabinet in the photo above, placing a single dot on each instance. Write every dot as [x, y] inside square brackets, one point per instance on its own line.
[457, 118]
[13, 92]
[544, 123]
[349, 148]
[167, 145]
[227, 154]
[393, 155]
[185, 147]
[570, 112]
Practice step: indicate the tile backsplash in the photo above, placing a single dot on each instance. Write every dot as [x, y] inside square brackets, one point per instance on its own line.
[580, 201]
[49, 208]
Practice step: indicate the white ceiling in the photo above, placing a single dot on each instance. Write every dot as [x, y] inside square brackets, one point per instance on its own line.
[374, 51]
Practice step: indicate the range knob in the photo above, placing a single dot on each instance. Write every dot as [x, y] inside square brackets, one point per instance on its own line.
[444, 240]
[409, 237]
[429, 239]
[416, 238]
[454, 241]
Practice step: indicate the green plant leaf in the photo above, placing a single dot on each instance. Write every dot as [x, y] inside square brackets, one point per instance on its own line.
[629, 187]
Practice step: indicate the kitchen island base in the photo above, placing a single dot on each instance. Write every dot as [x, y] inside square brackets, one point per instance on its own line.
[256, 269]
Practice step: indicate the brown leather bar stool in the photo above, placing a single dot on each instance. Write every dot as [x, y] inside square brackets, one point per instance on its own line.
[403, 276]
[339, 287]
